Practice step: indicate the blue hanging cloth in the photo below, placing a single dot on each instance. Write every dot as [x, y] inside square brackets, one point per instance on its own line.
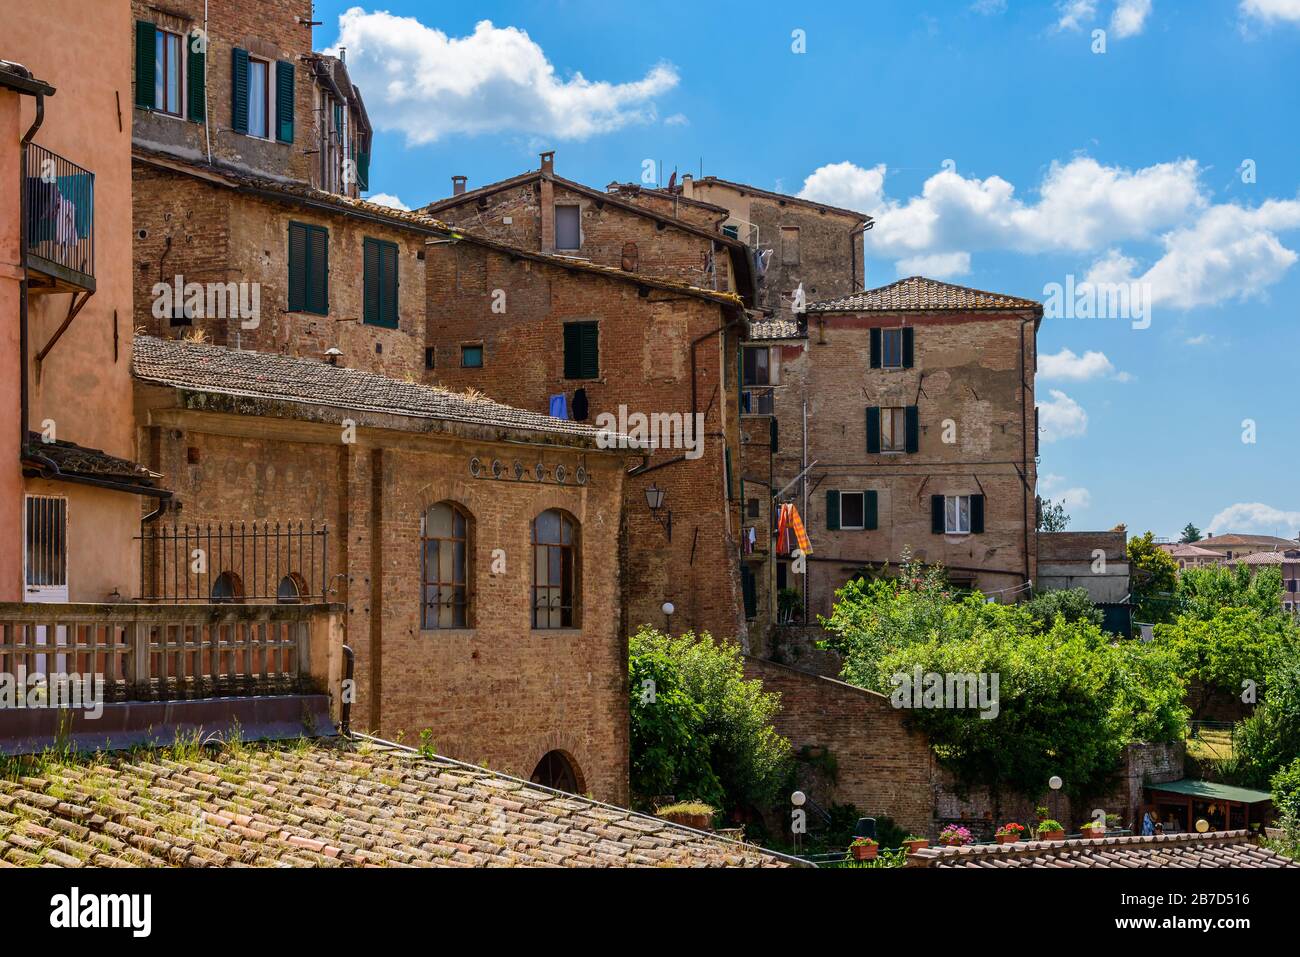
[559, 406]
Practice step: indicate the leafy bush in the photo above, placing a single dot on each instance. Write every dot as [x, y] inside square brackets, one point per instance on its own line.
[1203, 592]
[1226, 647]
[699, 729]
[1270, 738]
[1073, 604]
[1154, 576]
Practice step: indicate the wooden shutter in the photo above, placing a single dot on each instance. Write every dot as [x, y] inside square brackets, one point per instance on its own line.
[977, 514]
[869, 511]
[936, 514]
[875, 348]
[145, 63]
[370, 281]
[318, 283]
[196, 94]
[297, 267]
[590, 350]
[581, 350]
[913, 428]
[908, 347]
[388, 284]
[873, 429]
[239, 90]
[284, 101]
[833, 511]
[363, 171]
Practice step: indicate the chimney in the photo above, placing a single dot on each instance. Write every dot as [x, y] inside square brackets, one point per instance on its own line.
[458, 185]
[548, 163]
[546, 200]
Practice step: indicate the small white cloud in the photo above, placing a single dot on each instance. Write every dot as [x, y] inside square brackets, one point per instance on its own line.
[989, 7]
[1073, 497]
[935, 265]
[1200, 340]
[847, 185]
[1272, 11]
[1061, 417]
[1256, 517]
[677, 119]
[1074, 368]
[1129, 18]
[389, 200]
[1074, 13]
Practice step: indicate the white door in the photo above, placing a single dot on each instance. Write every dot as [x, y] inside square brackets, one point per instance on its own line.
[45, 565]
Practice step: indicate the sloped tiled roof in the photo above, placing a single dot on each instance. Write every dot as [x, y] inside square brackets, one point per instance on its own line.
[1232, 538]
[1232, 849]
[1187, 550]
[918, 294]
[775, 329]
[329, 804]
[77, 460]
[201, 367]
[1267, 558]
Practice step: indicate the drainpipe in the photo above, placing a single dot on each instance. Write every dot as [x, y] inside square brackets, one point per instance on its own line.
[1024, 443]
[22, 285]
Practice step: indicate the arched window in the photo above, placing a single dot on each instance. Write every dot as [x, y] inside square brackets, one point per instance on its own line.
[227, 589]
[290, 590]
[445, 547]
[555, 570]
[556, 770]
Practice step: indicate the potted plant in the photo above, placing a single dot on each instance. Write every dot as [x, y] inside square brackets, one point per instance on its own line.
[1010, 832]
[789, 605]
[694, 814]
[864, 849]
[1093, 829]
[914, 842]
[954, 835]
[1050, 830]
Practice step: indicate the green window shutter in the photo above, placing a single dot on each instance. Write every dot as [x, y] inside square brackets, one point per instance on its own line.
[388, 284]
[318, 280]
[869, 511]
[297, 267]
[195, 81]
[875, 348]
[370, 281]
[572, 351]
[833, 511]
[909, 347]
[145, 63]
[873, 429]
[913, 428]
[363, 171]
[239, 90]
[936, 514]
[977, 514]
[590, 351]
[284, 101]
[581, 350]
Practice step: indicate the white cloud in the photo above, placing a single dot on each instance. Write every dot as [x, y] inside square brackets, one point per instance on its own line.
[847, 185]
[1228, 252]
[1255, 517]
[1073, 13]
[1073, 497]
[1061, 417]
[677, 119]
[389, 200]
[1129, 18]
[427, 85]
[1075, 368]
[935, 265]
[1272, 10]
[1200, 340]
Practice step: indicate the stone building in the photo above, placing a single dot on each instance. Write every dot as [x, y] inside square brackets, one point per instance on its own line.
[1095, 561]
[474, 546]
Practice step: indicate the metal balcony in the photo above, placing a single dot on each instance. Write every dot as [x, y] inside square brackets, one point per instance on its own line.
[59, 234]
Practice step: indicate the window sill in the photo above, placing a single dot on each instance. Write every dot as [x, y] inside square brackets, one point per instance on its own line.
[540, 632]
[467, 632]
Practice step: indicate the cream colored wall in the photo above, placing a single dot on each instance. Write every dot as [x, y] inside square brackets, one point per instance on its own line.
[11, 481]
[102, 552]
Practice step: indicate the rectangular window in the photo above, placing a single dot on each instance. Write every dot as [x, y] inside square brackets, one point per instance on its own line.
[568, 229]
[379, 279]
[757, 366]
[893, 429]
[757, 403]
[892, 348]
[308, 269]
[581, 350]
[259, 98]
[852, 510]
[167, 72]
[471, 357]
[751, 508]
[956, 514]
[790, 245]
[45, 557]
[430, 357]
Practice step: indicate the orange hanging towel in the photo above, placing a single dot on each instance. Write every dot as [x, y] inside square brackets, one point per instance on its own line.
[799, 534]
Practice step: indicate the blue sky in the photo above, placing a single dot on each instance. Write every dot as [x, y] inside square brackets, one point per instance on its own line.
[994, 147]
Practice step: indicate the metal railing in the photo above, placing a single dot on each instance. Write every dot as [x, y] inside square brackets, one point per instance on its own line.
[235, 563]
[59, 199]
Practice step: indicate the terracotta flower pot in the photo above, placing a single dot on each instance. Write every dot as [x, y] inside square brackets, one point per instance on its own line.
[1007, 838]
[698, 821]
[1051, 835]
[1093, 833]
[864, 852]
[916, 845]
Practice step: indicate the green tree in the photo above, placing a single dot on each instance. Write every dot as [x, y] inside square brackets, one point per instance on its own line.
[1204, 591]
[1072, 604]
[1269, 738]
[699, 729]
[1226, 652]
[1190, 534]
[1153, 575]
[1052, 516]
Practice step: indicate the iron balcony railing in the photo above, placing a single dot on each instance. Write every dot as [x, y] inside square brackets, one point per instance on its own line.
[235, 563]
[59, 200]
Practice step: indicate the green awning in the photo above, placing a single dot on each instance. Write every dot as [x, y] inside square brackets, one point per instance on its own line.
[1213, 791]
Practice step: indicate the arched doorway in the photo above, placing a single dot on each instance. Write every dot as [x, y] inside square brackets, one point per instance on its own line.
[557, 770]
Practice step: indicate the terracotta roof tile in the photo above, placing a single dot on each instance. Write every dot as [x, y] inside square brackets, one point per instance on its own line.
[918, 294]
[1213, 849]
[334, 804]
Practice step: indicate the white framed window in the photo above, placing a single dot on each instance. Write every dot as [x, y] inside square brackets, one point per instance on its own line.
[259, 98]
[169, 61]
[853, 511]
[893, 429]
[956, 514]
